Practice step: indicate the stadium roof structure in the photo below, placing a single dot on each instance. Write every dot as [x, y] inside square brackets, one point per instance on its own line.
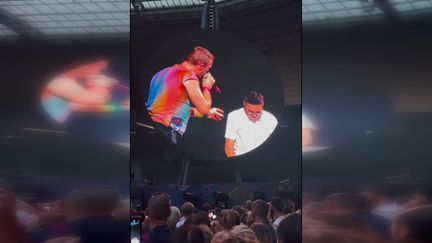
[64, 18]
[164, 4]
[313, 11]
[336, 11]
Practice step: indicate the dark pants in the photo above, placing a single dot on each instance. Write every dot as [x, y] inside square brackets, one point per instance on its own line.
[169, 133]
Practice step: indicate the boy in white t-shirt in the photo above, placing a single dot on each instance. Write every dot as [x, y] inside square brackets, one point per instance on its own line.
[248, 127]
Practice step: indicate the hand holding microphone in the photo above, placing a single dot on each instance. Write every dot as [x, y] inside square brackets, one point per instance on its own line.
[216, 114]
[209, 81]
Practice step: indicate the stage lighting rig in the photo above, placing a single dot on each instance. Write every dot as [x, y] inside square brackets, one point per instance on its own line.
[210, 16]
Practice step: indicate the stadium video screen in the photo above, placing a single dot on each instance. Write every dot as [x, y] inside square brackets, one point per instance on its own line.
[85, 88]
[212, 94]
[87, 94]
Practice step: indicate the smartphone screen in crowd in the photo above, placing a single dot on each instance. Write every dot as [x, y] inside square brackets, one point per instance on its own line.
[136, 225]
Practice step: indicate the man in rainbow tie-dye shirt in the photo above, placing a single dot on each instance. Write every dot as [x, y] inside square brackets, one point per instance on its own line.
[176, 94]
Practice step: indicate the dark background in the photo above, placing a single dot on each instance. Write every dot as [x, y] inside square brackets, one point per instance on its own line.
[367, 86]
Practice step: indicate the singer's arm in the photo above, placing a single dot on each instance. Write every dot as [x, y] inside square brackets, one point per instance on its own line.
[229, 147]
[215, 114]
[72, 91]
[195, 113]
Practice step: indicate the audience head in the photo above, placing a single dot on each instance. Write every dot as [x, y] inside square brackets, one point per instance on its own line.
[245, 233]
[91, 202]
[260, 210]
[208, 233]
[174, 217]
[417, 199]
[230, 219]
[198, 219]
[238, 209]
[242, 213]
[413, 225]
[227, 237]
[277, 205]
[187, 209]
[262, 233]
[217, 226]
[159, 207]
[188, 234]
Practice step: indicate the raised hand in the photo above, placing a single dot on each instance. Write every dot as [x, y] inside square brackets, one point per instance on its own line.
[208, 81]
[216, 114]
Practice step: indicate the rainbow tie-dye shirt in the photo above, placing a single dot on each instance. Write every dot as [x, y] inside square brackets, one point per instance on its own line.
[168, 102]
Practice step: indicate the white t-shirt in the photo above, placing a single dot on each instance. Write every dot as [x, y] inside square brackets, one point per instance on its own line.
[26, 219]
[277, 221]
[248, 135]
[181, 222]
[388, 211]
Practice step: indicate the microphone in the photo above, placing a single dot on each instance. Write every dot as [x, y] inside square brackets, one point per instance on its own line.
[218, 90]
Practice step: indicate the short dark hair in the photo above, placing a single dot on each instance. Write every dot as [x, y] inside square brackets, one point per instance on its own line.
[260, 208]
[254, 98]
[187, 234]
[230, 219]
[187, 209]
[289, 229]
[278, 204]
[93, 200]
[198, 219]
[262, 232]
[159, 206]
[200, 55]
